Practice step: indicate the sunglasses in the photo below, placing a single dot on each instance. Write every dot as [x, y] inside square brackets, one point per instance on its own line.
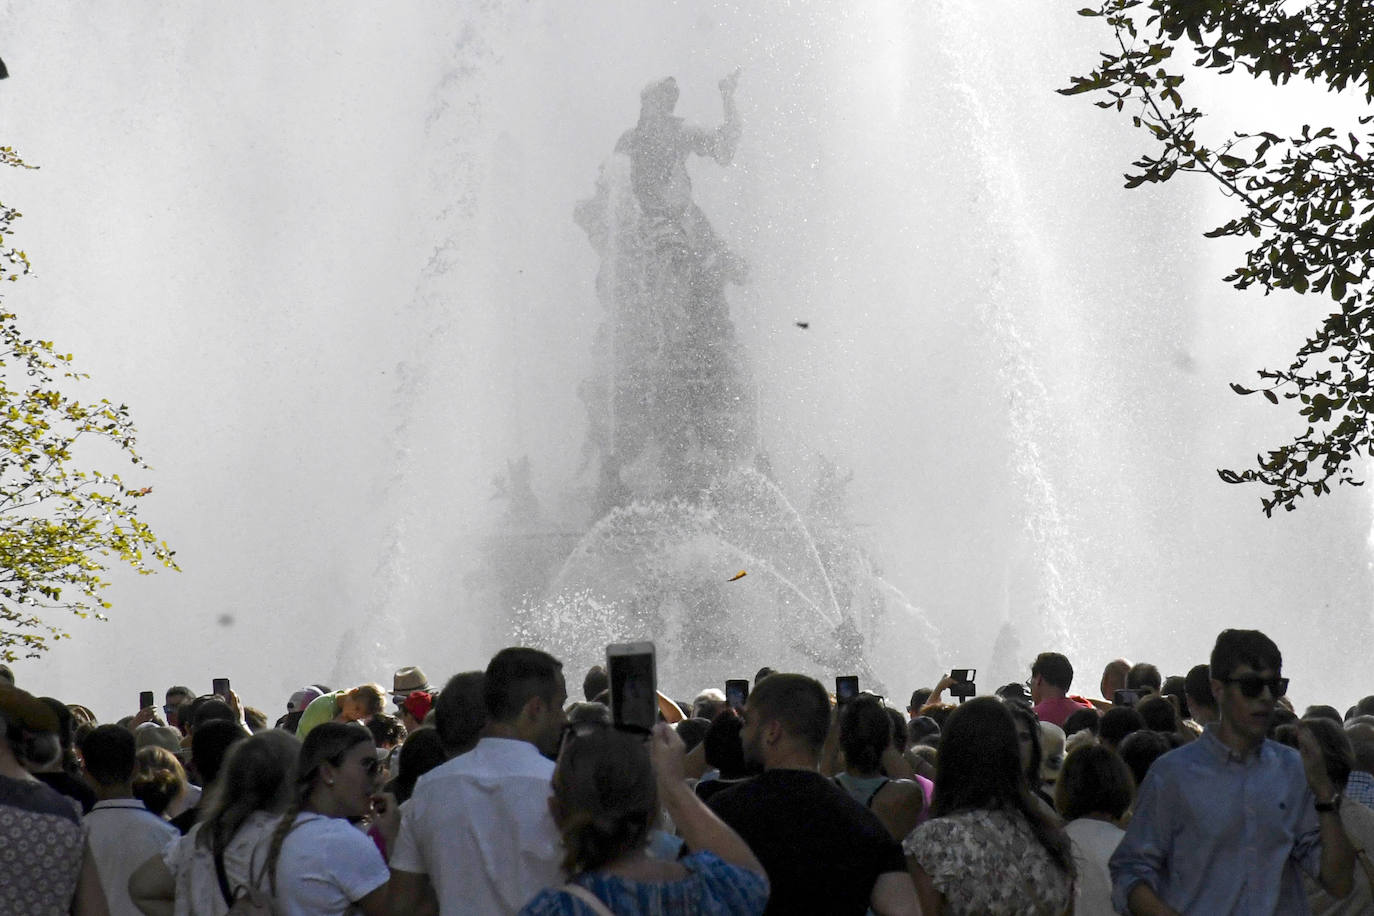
[1252, 685]
[370, 764]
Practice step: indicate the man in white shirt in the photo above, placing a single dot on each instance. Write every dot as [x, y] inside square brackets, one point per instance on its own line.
[122, 833]
[477, 835]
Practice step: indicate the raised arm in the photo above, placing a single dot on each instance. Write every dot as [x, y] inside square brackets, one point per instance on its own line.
[697, 824]
[1337, 855]
[720, 143]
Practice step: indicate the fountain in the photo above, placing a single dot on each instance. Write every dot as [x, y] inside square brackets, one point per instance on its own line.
[328, 259]
[684, 495]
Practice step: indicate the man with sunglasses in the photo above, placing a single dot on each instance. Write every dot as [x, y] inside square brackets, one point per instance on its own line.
[1226, 823]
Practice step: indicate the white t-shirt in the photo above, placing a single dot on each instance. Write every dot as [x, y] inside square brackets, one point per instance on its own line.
[479, 827]
[325, 865]
[1094, 842]
[193, 866]
[123, 834]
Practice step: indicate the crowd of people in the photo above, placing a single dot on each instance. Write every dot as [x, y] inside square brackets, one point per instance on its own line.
[1203, 793]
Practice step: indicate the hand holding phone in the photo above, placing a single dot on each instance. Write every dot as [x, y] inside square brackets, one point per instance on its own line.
[220, 688]
[1125, 697]
[963, 685]
[145, 699]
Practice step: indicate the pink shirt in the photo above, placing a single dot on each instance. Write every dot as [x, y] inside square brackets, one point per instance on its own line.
[1058, 709]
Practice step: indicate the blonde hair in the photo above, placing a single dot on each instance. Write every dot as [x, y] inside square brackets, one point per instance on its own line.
[371, 696]
[159, 778]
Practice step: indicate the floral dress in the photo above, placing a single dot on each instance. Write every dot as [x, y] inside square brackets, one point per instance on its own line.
[990, 863]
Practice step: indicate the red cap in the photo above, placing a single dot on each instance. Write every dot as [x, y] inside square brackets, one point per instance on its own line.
[418, 704]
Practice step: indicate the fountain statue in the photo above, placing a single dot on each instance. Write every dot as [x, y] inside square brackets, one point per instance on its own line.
[684, 499]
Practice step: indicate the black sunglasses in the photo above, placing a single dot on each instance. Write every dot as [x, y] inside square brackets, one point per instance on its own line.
[1252, 685]
[370, 764]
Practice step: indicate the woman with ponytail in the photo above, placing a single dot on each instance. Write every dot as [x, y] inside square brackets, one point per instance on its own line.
[606, 798]
[319, 863]
[988, 848]
[240, 812]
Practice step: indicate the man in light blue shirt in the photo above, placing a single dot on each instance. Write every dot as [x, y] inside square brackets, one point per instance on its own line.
[1224, 824]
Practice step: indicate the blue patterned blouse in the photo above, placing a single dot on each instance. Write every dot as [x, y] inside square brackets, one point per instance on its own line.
[712, 888]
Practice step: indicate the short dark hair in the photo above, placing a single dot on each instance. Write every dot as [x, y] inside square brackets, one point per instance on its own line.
[460, 712]
[761, 674]
[1054, 668]
[1082, 720]
[919, 697]
[386, 729]
[691, 731]
[923, 730]
[178, 691]
[1142, 675]
[596, 681]
[1094, 780]
[210, 710]
[209, 745]
[1158, 714]
[111, 754]
[1118, 722]
[1197, 686]
[1324, 712]
[1175, 686]
[514, 677]
[865, 732]
[1142, 748]
[723, 747]
[795, 701]
[1244, 647]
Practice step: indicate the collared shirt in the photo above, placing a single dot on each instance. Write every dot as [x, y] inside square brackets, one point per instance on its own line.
[123, 834]
[479, 827]
[1215, 832]
[1360, 788]
[1057, 710]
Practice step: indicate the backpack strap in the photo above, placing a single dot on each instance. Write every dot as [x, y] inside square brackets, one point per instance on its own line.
[588, 899]
[223, 878]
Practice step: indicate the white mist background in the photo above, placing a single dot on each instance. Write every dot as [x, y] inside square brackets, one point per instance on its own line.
[325, 252]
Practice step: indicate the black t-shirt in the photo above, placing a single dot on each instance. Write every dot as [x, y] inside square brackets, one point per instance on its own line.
[706, 790]
[822, 850]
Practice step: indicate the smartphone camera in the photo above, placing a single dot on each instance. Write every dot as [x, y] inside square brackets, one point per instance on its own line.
[1125, 697]
[634, 697]
[737, 693]
[846, 688]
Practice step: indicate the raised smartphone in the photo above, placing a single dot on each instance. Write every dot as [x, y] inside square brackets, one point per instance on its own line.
[631, 668]
[737, 693]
